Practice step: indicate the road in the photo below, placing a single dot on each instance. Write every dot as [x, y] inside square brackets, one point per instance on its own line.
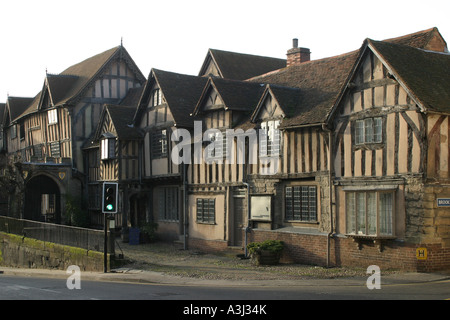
[39, 288]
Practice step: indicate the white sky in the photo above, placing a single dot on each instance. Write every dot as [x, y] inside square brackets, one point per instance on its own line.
[174, 35]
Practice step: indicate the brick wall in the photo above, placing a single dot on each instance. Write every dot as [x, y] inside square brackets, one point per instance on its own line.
[207, 245]
[312, 250]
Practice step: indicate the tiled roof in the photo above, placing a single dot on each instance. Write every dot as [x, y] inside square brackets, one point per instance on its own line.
[17, 105]
[429, 39]
[238, 95]
[321, 81]
[2, 112]
[240, 66]
[181, 92]
[122, 119]
[69, 85]
[426, 74]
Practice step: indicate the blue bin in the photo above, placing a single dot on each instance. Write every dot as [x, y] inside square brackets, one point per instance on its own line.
[134, 236]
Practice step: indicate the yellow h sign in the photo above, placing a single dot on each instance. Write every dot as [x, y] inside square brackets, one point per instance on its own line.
[421, 253]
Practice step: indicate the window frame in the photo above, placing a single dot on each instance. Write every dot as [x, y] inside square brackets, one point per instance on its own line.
[368, 131]
[156, 97]
[52, 115]
[107, 148]
[353, 216]
[298, 211]
[168, 204]
[207, 216]
[159, 144]
[219, 146]
[270, 139]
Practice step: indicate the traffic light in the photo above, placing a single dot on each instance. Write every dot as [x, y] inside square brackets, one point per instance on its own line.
[110, 193]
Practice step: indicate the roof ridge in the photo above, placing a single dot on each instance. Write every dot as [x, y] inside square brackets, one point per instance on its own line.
[411, 34]
[246, 54]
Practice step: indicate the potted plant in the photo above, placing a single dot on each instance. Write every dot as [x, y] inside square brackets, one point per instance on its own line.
[267, 252]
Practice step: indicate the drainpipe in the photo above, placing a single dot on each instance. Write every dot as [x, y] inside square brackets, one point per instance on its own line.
[330, 197]
[185, 222]
[247, 229]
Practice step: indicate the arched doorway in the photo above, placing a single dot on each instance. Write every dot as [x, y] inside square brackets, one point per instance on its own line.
[42, 200]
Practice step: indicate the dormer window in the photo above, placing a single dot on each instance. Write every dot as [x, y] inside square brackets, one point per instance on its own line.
[108, 146]
[52, 116]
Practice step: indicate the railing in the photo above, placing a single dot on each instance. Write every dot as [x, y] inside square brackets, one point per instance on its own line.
[88, 239]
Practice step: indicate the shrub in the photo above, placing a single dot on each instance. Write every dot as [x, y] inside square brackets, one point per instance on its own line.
[275, 246]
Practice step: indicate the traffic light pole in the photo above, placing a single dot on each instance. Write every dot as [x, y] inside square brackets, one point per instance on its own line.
[109, 205]
[105, 246]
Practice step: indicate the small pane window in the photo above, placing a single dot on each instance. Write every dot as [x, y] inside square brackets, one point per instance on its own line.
[301, 203]
[159, 144]
[270, 139]
[206, 211]
[369, 130]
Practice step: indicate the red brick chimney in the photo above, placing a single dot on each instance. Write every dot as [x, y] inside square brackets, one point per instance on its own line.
[297, 55]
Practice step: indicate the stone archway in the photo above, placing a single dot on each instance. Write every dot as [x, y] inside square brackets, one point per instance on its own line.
[42, 200]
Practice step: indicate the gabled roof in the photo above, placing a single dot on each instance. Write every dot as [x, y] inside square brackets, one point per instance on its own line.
[69, 86]
[318, 83]
[424, 74]
[15, 106]
[287, 99]
[430, 39]
[321, 82]
[236, 95]
[240, 66]
[122, 119]
[181, 92]
[2, 112]
[133, 97]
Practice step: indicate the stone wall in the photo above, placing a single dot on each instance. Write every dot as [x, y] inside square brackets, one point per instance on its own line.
[21, 252]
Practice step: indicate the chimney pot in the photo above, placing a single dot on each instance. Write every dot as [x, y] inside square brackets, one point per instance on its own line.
[297, 55]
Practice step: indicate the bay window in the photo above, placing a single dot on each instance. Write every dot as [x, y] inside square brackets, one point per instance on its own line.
[370, 213]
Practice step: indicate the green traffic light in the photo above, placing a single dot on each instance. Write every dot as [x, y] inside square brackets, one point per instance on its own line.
[109, 207]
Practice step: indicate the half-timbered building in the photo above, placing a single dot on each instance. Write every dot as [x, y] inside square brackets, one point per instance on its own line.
[391, 155]
[218, 174]
[165, 106]
[48, 135]
[346, 159]
[346, 169]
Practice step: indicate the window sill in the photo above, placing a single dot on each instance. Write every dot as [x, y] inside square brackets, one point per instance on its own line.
[378, 240]
[368, 146]
[206, 223]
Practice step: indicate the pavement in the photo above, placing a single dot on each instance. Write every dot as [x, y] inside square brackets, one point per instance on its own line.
[149, 277]
[156, 264]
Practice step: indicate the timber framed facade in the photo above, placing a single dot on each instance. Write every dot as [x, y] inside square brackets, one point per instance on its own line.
[343, 158]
